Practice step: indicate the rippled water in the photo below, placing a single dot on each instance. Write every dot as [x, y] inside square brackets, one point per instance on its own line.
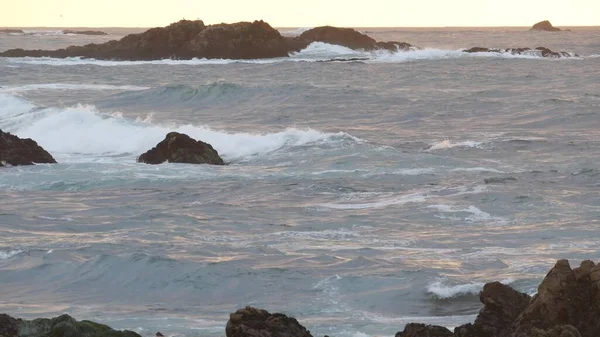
[356, 195]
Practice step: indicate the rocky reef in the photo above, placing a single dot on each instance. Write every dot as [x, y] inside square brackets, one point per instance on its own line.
[16, 151]
[193, 39]
[84, 32]
[61, 326]
[181, 148]
[11, 31]
[539, 51]
[545, 26]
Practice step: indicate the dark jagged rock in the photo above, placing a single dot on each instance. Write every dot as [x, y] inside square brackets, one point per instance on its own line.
[11, 31]
[502, 305]
[541, 51]
[545, 26]
[181, 40]
[422, 330]
[16, 151]
[252, 322]
[565, 297]
[84, 32]
[242, 40]
[9, 327]
[181, 148]
[346, 37]
[61, 326]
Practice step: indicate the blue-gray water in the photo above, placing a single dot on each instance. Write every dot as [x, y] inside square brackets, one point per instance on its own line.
[355, 199]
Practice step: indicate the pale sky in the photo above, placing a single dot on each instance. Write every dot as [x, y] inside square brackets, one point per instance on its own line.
[299, 13]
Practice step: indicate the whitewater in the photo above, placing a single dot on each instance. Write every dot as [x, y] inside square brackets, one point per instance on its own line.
[361, 193]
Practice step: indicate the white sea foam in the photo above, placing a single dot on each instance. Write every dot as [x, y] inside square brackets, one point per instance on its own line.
[447, 144]
[82, 130]
[7, 254]
[293, 32]
[69, 86]
[398, 200]
[440, 289]
[476, 214]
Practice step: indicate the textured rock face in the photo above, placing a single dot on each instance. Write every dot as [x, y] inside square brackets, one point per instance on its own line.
[545, 26]
[542, 51]
[180, 148]
[16, 151]
[9, 327]
[346, 37]
[565, 297]
[252, 322]
[242, 40]
[422, 330]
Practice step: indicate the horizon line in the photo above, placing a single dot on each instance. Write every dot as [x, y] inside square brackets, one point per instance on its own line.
[290, 27]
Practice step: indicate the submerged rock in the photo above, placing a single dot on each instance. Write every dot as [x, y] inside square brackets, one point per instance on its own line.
[545, 26]
[84, 32]
[253, 322]
[16, 151]
[61, 326]
[539, 51]
[181, 148]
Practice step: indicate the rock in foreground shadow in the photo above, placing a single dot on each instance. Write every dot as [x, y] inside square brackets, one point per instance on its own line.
[15, 151]
[567, 304]
[61, 326]
[181, 148]
[252, 322]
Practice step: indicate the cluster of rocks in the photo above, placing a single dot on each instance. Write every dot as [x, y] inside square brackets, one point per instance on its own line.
[567, 305]
[84, 32]
[539, 51]
[243, 40]
[175, 148]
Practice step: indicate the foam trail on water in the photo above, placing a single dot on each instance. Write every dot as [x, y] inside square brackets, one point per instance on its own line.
[7, 254]
[443, 291]
[447, 144]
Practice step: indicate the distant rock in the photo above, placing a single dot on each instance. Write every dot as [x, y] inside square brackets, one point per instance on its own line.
[11, 31]
[346, 37]
[539, 51]
[84, 32]
[181, 148]
[181, 40]
[16, 151]
[545, 26]
[253, 322]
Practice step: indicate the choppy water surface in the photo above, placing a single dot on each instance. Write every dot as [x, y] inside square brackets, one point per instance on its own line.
[356, 195]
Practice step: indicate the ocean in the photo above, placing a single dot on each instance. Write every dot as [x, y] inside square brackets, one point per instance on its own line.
[359, 196]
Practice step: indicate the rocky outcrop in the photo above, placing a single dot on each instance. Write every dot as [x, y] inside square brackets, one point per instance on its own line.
[11, 31]
[252, 322]
[567, 304]
[421, 330]
[181, 148]
[61, 326]
[16, 151]
[545, 26]
[84, 32]
[346, 37]
[565, 297]
[181, 40]
[9, 327]
[539, 51]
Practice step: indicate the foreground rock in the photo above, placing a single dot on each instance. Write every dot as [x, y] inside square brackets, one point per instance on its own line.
[545, 26]
[567, 304]
[181, 148]
[182, 40]
[61, 326]
[252, 322]
[11, 31]
[539, 51]
[16, 151]
[84, 32]
[346, 37]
